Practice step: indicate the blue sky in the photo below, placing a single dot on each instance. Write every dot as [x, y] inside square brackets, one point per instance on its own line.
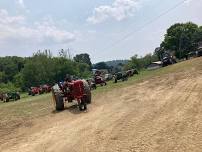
[98, 27]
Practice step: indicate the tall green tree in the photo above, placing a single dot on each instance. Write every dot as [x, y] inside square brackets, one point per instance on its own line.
[83, 58]
[9, 67]
[180, 39]
[197, 36]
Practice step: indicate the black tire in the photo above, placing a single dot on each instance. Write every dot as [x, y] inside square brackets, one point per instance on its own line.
[88, 98]
[18, 97]
[83, 104]
[7, 99]
[80, 107]
[94, 87]
[59, 104]
[15, 98]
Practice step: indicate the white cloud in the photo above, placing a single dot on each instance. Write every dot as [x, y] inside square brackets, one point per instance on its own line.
[21, 3]
[14, 29]
[119, 10]
[6, 19]
[188, 1]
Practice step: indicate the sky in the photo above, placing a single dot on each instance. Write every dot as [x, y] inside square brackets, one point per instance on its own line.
[105, 29]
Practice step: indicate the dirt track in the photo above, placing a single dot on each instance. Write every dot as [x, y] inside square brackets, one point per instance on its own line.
[160, 114]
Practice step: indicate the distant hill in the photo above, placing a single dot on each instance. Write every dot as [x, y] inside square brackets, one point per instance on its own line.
[116, 63]
[113, 66]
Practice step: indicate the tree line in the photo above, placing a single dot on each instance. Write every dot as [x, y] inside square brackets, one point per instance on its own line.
[20, 73]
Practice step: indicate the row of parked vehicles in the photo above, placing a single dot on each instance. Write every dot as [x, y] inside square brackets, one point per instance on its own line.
[39, 90]
[101, 80]
[14, 95]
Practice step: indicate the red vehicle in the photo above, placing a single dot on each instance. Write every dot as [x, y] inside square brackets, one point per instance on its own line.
[78, 91]
[46, 88]
[35, 90]
[100, 80]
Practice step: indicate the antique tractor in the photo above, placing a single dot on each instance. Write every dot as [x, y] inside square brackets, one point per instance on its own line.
[78, 91]
[100, 80]
[11, 96]
[45, 88]
[35, 90]
[168, 59]
[120, 76]
[131, 72]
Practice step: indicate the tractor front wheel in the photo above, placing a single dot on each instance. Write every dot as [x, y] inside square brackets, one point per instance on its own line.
[88, 98]
[82, 105]
[59, 103]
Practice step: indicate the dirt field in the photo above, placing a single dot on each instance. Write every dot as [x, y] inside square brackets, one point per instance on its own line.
[162, 113]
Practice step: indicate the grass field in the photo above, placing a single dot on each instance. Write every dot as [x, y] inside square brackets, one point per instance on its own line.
[14, 113]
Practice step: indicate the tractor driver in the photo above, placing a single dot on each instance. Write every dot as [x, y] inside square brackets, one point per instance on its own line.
[68, 83]
[68, 78]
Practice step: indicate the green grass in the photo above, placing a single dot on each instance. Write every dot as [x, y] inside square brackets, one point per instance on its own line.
[32, 107]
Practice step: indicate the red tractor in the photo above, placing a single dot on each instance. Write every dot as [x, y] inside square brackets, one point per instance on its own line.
[78, 91]
[100, 80]
[35, 90]
[46, 88]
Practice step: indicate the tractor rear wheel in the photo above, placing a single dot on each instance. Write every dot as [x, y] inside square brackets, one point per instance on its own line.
[59, 103]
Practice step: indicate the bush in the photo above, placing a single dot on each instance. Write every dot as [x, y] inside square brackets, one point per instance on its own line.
[8, 87]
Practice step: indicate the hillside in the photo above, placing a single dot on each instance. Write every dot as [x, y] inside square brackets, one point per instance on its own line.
[116, 63]
[157, 110]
